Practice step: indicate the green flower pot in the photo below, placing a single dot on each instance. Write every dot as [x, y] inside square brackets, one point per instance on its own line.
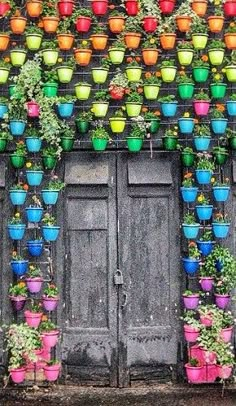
[4, 74]
[185, 56]
[218, 90]
[50, 89]
[99, 75]
[116, 55]
[12, 91]
[230, 72]
[64, 74]
[185, 90]
[168, 74]
[220, 158]
[151, 91]
[117, 124]
[134, 144]
[187, 159]
[216, 56]
[133, 109]
[18, 57]
[67, 144]
[82, 126]
[200, 74]
[50, 56]
[49, 162]
[133, 74]
[99, 144]
[82, 92]
[232, 142]
[3, 144]
[199, 41]
[33, 41]
[100, 109]
[170, 143]
[154, 125]
[17, 161]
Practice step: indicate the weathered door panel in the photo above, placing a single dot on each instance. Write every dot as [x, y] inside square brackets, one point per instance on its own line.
[148, 243]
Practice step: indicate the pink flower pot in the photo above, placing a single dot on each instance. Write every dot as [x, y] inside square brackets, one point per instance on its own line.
[50, 303]
[191, 333]
[222, 301]
[206, 320]
[18, 302]
[201, 107]
[33, 109]
[209, 357]
[51, 372]
[224, 371]
[32, 319]
[18, 374]
[38, 364]
[191, 302]
[206, 283]
[34, 284]
[226, 334]
[50, 338]
[194, 373]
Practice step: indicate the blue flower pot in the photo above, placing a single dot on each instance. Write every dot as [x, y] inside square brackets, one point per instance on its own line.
[3, 110]
[202, 143]
[190, 265]
[221, 193]
[65, 110]
[186, 125]
[19, 268]
[220, 230]
[50, 197]
[203, 176]
[16, 231]
[34, 214]
[219, 265]
[231, 107]
[33, 144]
[191, 230]
[204, 212]
[169, 109]
[18, 197]
[35, 247]
[219, 125]
[17, 127]
[50, 233]
[189, 194]
[205, 247]
[34, 178]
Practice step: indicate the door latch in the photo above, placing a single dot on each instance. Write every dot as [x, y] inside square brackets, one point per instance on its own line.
[118, 278]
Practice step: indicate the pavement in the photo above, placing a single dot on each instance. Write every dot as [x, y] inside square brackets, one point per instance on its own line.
[158, 395]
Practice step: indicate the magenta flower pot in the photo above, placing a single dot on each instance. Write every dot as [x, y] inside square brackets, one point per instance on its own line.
[224, 371]
[32, 109]
[32, 319]
[50, 338]
[18, 375]
[18, 302]
[222, 301]
[201, 107]
[206, 283]
[191, 302]
[194, 374]
[50, 303]
[51, 372]
[191, 333]
[34, 285]
[208, 357]
[206, 321]
[226, 334]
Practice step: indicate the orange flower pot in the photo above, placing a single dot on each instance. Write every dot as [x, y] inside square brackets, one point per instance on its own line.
[50, 24]
[83, 56]
[116, 24]
[65, 41]
[183, 23]
[168, 41]
[18, 24]
[99, 41]
[34, 8]
[215, 23]
[4, 41]
[132, 40]
[199, 7]
[230, 40]
[150, 56]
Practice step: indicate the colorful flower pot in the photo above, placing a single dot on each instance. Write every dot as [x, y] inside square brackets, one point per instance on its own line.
[34, 285]
[201, 143]
[34, 178]
[221, 193]
[116, 24]
[17, 127]
[82, 91]
[132, 39]
[16, 231]
[220, 230]
[65, 110]
[218, 90]
[229, 7]
[168, 40]
[100, 109]
[83, 24]
[116, 55]
[3, 109]
[191, 302]
[201, 107]
[99, 75]
[149, 24]
[18, 375]
[18, 57]
[34, 214]
[191, 230]
[206, 283]
[150, 56]
[220, 157]
[131, 7]
[133, 74]
[224, 371]
[99, 7]
[17, 302]
[50, 56]
[186, 125]
[151, 91]
[33, 144]
[190, 265]
[203, 176]
[168, 109]
[67, 144]
[185, 56]
[49, 162]
[191, 333]
[170, 143]
[206, 321]
[226, 334]
[17, 161]
[49, 197]
[50, 89]
[216, 56]
[204, 212]
[205, 247]
[167, 6]
[133, 109]
[65, 7]
[33, 41]
[231, 107]
[64, 74]
[134, 144]
[232, 143]
[185, 90]
[3, 144]
[51, 372]
[18, 197]
[187, 159]
[230, 72]
[4, 74]
[215, 23]
[168, 74]
[200, 75]
[194, 374]
[117, 124]
[50, 338]
[34, 8]
[65, 41]
[219, 125]
[50, 233]
[154, 125]
[99, 144]
[32, 319]
[35, 247]
[19, 268]
[222, 301]
[189, 194]
[199, 40]
[50, 303]
[4, 8]
[33, 109]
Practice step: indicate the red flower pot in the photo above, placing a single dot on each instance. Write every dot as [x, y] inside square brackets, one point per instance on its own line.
[51, 372]
[32, 109]
[226, 334]
[191, 333]
[83, 24]
[99, 7]
[149, 24]
[18, 374]
[167, 6]
[230, 8]
[50, 338]
[65, 7]
[131, 7]
[4, 8]
[32, 319]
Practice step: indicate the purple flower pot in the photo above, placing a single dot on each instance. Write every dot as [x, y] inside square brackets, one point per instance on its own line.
[18, 302]
[191, 302]
[34, 284]
[50, 303]
[206, 283]
[222, 301]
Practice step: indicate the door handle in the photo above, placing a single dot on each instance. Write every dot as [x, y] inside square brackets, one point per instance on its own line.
[125, 300]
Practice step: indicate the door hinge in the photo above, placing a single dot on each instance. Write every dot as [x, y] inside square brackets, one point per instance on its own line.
[118, 278]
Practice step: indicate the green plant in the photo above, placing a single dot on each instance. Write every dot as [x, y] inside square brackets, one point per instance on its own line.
[49, 220]
[55, 184]
[189, 218]
[168, 62]
[206, 236]
[216, 76]
[183, 77]
[67, 98]
[53, 361]
[193, 251]
[19, 289]
[218, 10]
[194, 362]
[150, 42]
[34, 271]
[151, 79]
[20, 186]
[119, 80]
[65, 26]
[99, 132]
[16, 219]
[188, 180]
[20, 149]
[202, 130]
[105, 62]
[83, 44]
[118, 43]
[215, 44]
[49, 44]
[167, 25]
[133, 62]
[218, 149]
[16, 111]
[31, 132]
[149, 8]
[204, 161]
[33, 29]
[46, 326]
[50, 151]
[171, 132]
[184, 45]
[202, 95]
[221, 218]
[5, 135]
[224, 353]
[81, 12]
[98, 28]
[15, 256]
[101, 96]
[69, 63]
[35, 306]
[67, 131]
[84, 116]
[202, 199]
[4, 63]
[50, 76]
[217, 111]
[152, 115]
[198, 26]
[50, 9]
[200, 61]
[170, 98]
[33, 166]
[208, 269]
[189, 292]
[137, 131]
[133, 24]
[189, 318]
[134, 97]
[222, 182]
[51, 290]
[35, 202]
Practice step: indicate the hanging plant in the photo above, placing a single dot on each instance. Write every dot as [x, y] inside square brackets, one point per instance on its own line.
[65, 37]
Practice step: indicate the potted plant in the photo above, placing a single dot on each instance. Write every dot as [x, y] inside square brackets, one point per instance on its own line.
[100, 103]
[32, 139]
[133, 70]
[218, 120]
[207, 314]
[201, 68]
[203, 208]
[118, 85]
[186, 123]
[230, 67]
[116, 21]
[49, 333]
[132, 32]
[190, 226]
[220, 154]
[5, 7]
[150, 14]
[3, 106]
[221, 189]
[83, 120]
[168, 105]
[194, 370]
[50, 83]
[65, 70]
[136, 135]
[116, 51]
[33, 36]
[34, 7]
[82, 17]
[34, 173]
[50, 52]
[49, 156]
[216, 21]
[207, 272]
[131, 7]
[18, 55]
[192, 326]
[166, 30]
[34, 279]
[231, 136]
[168, 70]
[65, 37]
[225, 360]
[231, 105]
[185, 53]
[19, 265]
[220, 225]
[16, 227]
[229, 8]
[201, 103]
[202, 137]
[170, 138]
[117, 122]
[99, 37]
[50, 230]
[5, 136]
[133, 103]
[99, 7]
[198, 31]
[50, 192]
[34, 314]
[18, 193]
[99, 137]
[185, 85]
[191, 262]
[199, 7]
[187, 156]
[50, 297]
[83, 53]
[67, 137]
[100, 73]
[150, 50]
[167, 6]
[82, 90]
[188, 189]
[35, 247]
[190, 299]
[52, 368]
[205, 242]
[204, 168]
[152, 118]
[17, 294]
[230, 35]
[65, 7]
[226, 322]
[17, 117]
[17, 21]
[34, 210]
[222, 293]
[217, 87]
[216, 51]
[151, 86]
[50, 16]
[65, 105]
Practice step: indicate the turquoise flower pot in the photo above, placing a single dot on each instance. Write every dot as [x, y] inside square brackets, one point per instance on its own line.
[191, 230]
[34, 178]
[33, 144]
[219, 125]
[50, 233]
[50, 197]
[189, 194]
[18, 197]
[3, 110]
[34, 214]
[17, 127]
[169, 109]
[201, 143]
[220, 230]
[16, 231]
[204, 212]
[203, 176]
[231, 107]
[186, 125]
[65, 110]
[221, 193]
